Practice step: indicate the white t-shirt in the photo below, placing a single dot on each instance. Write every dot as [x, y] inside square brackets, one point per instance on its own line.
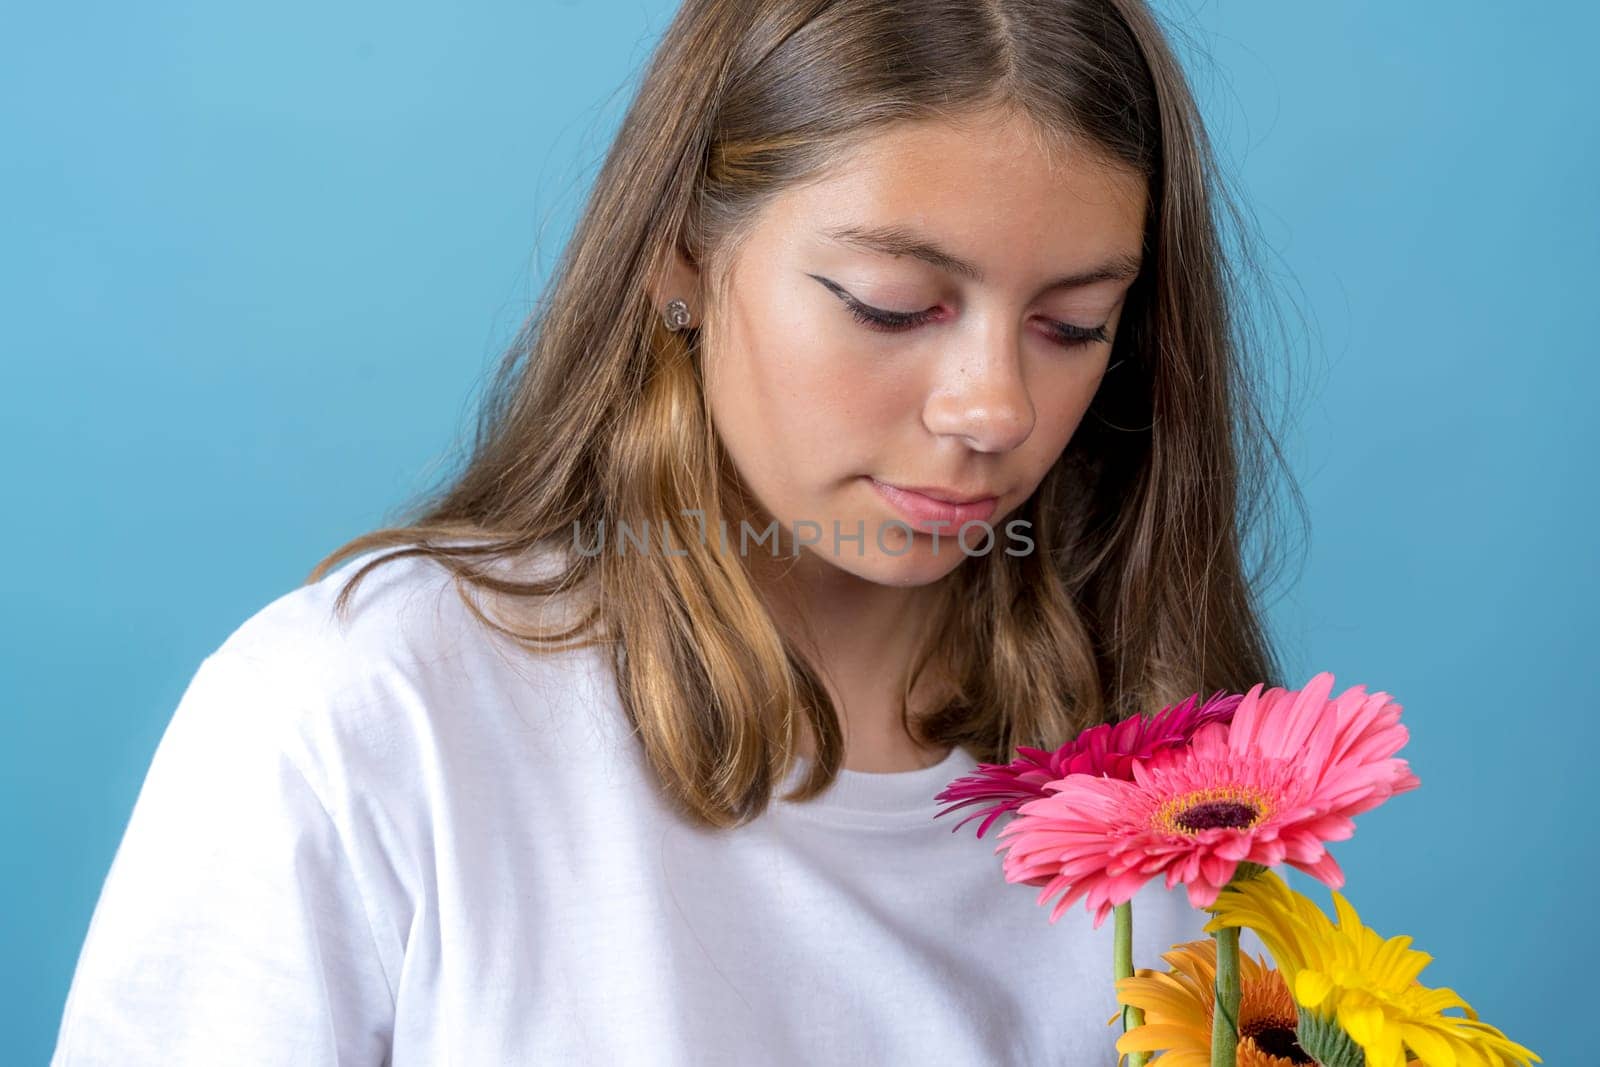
[405, 841]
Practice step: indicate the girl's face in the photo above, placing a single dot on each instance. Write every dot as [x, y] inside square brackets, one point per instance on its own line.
[996, 277]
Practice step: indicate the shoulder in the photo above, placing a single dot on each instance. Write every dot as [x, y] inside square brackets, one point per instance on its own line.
[400, 613]
[374, 693]
[407, 616]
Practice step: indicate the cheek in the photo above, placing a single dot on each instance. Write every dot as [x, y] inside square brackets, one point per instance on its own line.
[791, 397]
[1060, 402]
[807, 391]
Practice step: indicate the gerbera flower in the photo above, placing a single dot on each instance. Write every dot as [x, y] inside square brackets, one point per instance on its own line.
[1349, 975]
[1178, 1008]
[1106, 749]
[1284, 777]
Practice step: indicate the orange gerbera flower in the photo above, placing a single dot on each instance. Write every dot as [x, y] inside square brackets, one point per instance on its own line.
[1178, 1009]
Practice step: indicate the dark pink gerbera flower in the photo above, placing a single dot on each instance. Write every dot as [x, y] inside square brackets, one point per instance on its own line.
[1107, 750]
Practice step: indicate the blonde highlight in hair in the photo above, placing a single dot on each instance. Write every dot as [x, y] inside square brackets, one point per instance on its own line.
[1135, 594]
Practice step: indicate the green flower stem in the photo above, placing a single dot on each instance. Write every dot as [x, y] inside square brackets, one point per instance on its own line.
[1225, 1018]
[1321, 1038]
[1225, 1014]
[1123, 951]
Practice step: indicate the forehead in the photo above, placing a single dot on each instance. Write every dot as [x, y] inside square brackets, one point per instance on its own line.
[998, 192]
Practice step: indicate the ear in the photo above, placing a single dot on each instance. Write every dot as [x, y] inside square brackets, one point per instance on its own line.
[680, 281]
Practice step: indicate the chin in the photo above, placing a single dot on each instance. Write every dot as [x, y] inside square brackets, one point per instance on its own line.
[918, 565]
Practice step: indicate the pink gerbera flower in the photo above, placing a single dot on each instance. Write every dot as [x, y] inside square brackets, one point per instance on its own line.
[1106, 749]
[1272, 787]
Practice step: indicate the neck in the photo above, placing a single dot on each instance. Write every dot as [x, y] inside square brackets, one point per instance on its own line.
[862, 639]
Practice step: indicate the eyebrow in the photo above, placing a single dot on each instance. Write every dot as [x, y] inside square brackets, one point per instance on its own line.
[898, 241]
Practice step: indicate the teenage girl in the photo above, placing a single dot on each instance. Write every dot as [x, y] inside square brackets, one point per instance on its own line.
[887, 411]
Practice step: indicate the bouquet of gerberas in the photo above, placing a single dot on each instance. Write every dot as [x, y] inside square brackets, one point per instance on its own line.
[1215, 794]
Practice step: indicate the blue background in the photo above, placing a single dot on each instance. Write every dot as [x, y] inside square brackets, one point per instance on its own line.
[258, 260]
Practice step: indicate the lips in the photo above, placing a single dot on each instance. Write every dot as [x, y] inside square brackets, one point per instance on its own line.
[934, 514]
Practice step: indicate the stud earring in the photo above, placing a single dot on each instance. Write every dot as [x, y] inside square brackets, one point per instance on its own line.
[676, 315]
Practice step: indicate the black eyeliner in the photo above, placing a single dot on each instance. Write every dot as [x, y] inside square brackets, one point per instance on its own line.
[1065, 333]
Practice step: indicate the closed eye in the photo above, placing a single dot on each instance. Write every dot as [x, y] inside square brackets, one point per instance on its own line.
[1063, 333]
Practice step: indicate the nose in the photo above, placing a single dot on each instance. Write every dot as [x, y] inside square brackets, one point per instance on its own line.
[981, 394]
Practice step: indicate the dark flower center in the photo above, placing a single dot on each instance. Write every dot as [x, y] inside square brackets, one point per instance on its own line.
[1213, 813]
[1276, 1039]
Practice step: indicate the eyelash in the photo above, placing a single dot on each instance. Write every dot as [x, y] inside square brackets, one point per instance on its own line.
[1066, 334]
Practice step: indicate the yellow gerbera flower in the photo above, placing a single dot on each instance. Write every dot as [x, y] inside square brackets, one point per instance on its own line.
[1178, 1011]
[1367, 984]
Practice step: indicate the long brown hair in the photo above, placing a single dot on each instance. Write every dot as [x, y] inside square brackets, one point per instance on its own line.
[1136, 594]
